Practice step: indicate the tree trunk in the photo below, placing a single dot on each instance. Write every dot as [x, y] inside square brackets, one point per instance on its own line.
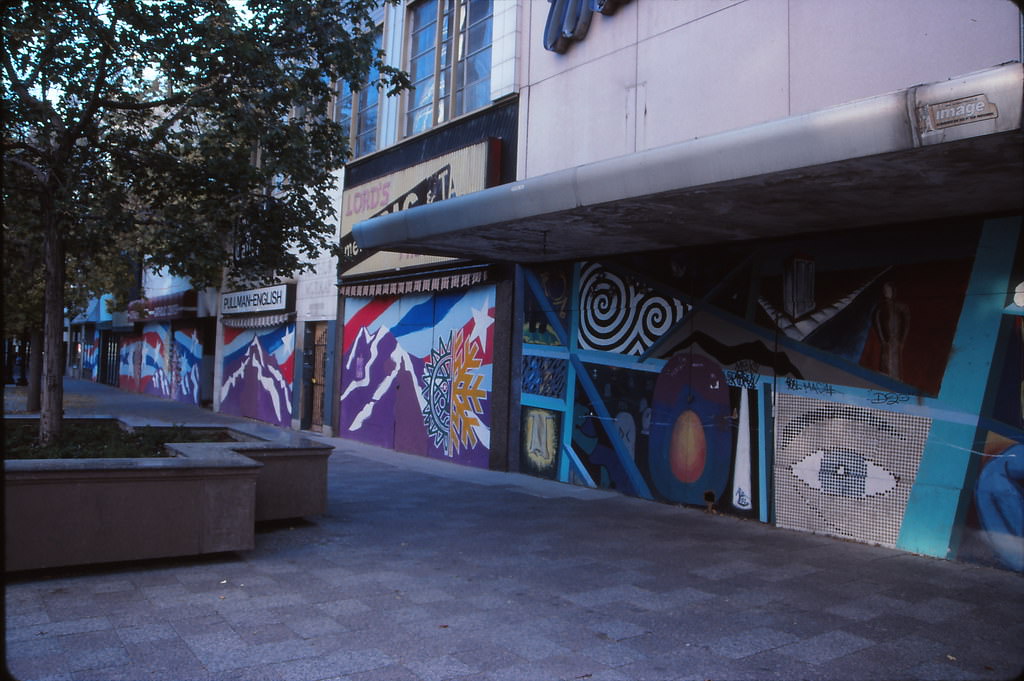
[35, 370]
[51, 415]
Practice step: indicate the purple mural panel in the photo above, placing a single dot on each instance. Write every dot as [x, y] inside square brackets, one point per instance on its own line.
[258, 372]
[416, 373]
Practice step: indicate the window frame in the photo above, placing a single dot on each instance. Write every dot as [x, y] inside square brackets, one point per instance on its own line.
[356, 112]
[443, 107]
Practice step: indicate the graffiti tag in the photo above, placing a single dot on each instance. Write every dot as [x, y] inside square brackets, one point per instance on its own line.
[816, 387]
[741, 379]
[881, 397]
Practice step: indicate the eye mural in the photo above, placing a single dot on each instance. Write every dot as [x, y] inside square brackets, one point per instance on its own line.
[845, 470]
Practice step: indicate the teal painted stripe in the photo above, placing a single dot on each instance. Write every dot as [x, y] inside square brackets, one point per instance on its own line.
[938, 499]
[568, 415]
[764, 449]
[569, 454]
[606, 421]
[541, 402]
[624, 361]
[545, 351]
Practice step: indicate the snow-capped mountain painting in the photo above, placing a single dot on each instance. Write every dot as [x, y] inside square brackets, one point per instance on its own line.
[163, 361]
[258, 371]
[416, 373]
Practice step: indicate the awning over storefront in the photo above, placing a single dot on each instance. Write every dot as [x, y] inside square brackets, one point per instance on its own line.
[170, 306]
[257, 321]
[436, 281]
[945, 149]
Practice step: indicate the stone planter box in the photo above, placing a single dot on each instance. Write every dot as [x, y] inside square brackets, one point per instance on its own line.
[205, 498]
[291, 481]
[82, 511]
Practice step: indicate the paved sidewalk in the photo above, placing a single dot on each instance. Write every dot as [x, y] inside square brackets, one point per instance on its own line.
[428, 571]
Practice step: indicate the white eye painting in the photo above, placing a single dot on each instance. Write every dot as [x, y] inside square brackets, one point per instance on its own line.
[844, 470]
[844, 473]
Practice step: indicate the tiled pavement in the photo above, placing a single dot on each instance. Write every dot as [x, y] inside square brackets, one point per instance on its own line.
[427, 571]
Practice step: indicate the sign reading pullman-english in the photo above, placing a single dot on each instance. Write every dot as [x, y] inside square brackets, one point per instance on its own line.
[268, 299]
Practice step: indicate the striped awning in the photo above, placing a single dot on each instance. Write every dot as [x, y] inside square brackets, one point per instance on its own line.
[256, 321]
[442, 281]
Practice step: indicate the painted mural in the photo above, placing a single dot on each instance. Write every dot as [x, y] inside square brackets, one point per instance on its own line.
[798, 383]
[416, 373]
[550, 292]
[164, 361]
[542, 438]
[622, 314]
[258, 372]
[91, 355]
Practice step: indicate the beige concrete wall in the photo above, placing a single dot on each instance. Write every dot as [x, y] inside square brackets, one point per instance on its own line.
[661, 71]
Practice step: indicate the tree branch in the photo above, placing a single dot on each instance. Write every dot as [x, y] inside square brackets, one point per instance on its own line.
[26, 97]
[40, 175]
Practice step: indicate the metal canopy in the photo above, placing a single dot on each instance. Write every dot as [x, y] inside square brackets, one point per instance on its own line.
[941, 150]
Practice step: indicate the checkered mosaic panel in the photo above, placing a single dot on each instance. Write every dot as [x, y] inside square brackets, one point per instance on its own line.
[843, 470]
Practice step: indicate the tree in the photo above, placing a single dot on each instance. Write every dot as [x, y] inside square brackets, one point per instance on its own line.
[193, 134]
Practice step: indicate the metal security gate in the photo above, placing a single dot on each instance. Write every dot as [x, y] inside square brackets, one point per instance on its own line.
[109, 358]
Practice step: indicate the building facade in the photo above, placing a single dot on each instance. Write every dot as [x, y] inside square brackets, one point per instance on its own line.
[765, 259]
[422, 353]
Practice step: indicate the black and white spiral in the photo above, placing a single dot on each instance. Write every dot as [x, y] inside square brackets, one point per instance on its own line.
[618, 316]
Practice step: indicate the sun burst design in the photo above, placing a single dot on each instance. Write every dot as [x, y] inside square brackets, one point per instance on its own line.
[452, 396]
[437, 381]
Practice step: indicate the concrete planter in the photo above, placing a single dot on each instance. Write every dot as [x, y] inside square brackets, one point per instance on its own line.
[82, 511]
[205, 498]
[292, 482]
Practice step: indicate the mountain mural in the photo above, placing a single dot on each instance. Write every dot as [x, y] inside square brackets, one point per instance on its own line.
[416, 373]
[257, 376]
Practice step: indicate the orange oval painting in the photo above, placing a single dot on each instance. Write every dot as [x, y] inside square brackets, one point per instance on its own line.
[688, 449]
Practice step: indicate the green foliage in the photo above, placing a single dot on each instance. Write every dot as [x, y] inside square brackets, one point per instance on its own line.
[190, 133]
[101, 440]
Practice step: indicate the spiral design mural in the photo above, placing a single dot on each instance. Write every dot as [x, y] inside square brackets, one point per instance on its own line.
[618, 315]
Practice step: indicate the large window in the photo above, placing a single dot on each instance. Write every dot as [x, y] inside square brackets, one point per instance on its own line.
[449, 60]
[357, 110]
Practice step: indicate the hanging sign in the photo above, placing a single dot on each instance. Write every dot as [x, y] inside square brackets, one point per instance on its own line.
[460, 172]
[267, 299]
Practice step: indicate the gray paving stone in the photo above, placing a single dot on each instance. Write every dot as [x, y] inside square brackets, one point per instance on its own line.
[73, 626]
[670, 600]
[350, 661]
[440, 668]
[94, 657]
[939, 609]
[158, 631]
[611, 653]
[751, 641]
[825, 647]
[309, 627]
[488, 656]
[420, 571]
[615, 629]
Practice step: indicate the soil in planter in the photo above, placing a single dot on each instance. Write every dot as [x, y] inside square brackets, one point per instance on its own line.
[101, 440]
